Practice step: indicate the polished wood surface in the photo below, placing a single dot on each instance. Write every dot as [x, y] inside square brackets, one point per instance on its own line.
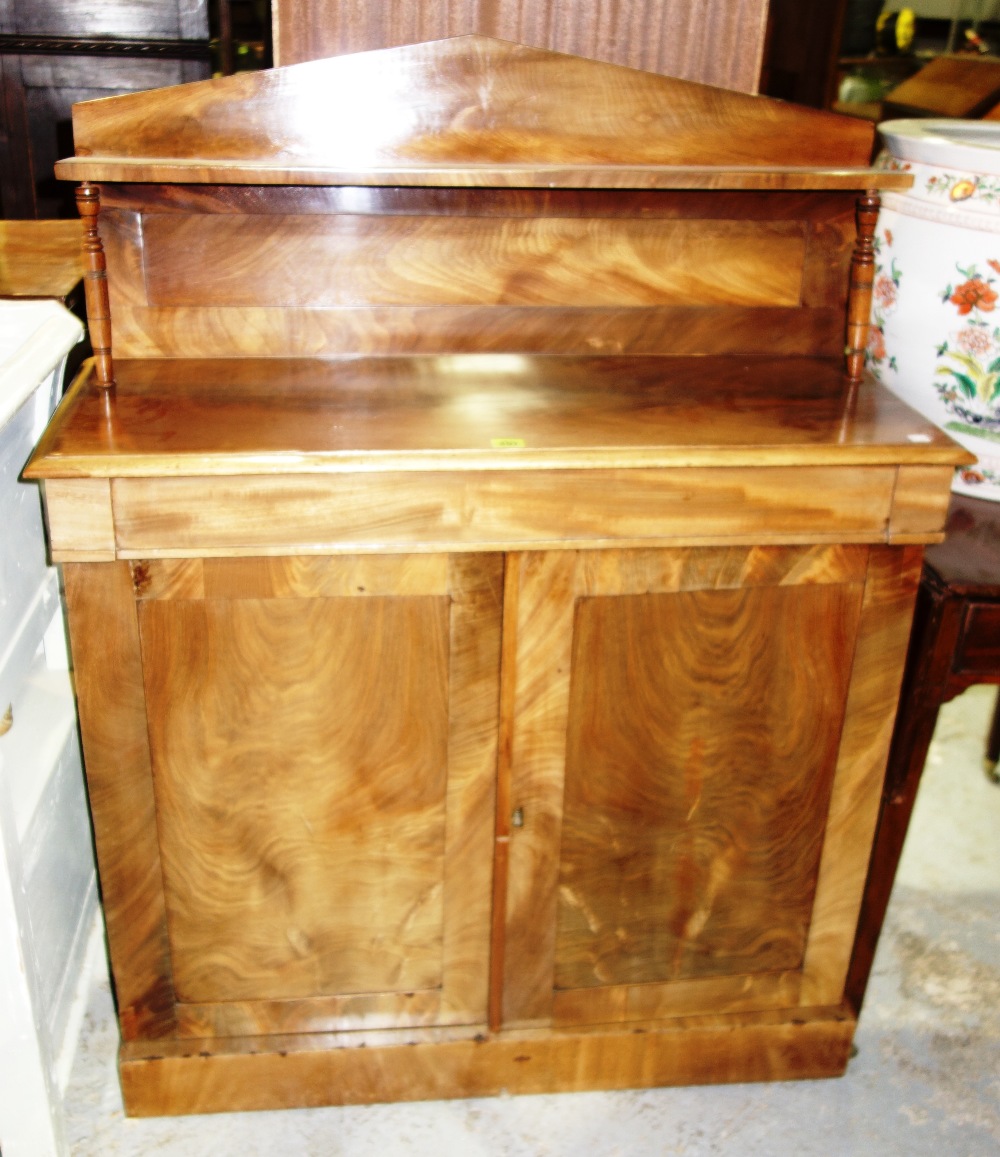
[633, 872]
[108, 680]
[508, 582]
[887, 613]
[466, 111]
[426, 454]
[721, 44]
[277, 1072]
[215, 270]
[499, 509]
[684, 892]
[40, 258]
[449, 260]
[88, 200]
[209, 273]
[859, 298]
[362, 901]
[507, 412]
[80, 520]
[276, 903]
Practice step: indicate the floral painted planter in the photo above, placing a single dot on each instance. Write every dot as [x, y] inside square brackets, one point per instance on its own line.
[935, 336]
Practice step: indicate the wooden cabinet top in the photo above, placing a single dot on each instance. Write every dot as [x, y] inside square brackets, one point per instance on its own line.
[469, 111]
[179, 417]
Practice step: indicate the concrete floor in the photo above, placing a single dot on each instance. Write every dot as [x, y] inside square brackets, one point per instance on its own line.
[926, 1080]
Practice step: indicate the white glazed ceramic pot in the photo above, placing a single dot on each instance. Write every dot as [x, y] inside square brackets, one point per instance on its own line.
[935, 336]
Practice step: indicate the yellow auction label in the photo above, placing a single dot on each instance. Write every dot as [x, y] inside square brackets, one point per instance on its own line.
[506, 443]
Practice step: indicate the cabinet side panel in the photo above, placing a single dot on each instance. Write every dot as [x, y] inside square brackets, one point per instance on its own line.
[300, 754]
[701, 746]
[105, 641]
[883, 634]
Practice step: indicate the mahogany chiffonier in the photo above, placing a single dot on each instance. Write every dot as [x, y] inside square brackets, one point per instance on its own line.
[488, 580]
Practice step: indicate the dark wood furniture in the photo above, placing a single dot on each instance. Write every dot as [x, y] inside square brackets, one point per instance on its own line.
[488, 585]
[955, 644]
[718, 42]
[54, 53]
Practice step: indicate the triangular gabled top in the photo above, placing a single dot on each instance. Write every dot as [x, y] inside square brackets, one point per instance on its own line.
[467, 111]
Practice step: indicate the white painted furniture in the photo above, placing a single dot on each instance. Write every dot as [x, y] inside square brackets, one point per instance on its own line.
[48, 895]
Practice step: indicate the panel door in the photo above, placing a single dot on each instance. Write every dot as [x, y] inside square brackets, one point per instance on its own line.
[302, 820]
[698, 740]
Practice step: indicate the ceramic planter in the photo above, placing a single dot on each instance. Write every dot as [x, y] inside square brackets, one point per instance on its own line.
[935, 336]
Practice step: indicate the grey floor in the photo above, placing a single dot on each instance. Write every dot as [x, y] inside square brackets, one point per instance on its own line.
[926, 1079]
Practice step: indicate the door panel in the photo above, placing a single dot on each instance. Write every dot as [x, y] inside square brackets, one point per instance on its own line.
[321, 735]
[697, 734]
[299, 757]
[701, 746]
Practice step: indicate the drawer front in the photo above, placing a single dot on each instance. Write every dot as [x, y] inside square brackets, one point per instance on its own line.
[978, 651]
[467, 510]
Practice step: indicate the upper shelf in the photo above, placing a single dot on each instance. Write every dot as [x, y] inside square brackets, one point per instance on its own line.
[469, 111]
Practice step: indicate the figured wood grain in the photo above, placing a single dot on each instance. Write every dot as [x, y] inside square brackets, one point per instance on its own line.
[318, 1069]
[426, 269]
[121, 235]
[349, 260]
[40, 258]
[636, 572]
[476, 589]
[920, 503]
[541, 707]
[439, 510]
[80, 519]
[108, 680]
[202, 614]
[559, 765]
[723, 45]
[717, 995]
[299, 749]
[682, 330]
[281, 417]
[883, 633]
[356, 1012]
[292, 578]
[455, 112]
[694, 797]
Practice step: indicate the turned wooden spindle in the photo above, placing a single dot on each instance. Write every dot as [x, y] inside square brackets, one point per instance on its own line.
[859, 297]
[95, 282]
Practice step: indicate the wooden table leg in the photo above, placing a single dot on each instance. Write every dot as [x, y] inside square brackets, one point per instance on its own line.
[935, 634]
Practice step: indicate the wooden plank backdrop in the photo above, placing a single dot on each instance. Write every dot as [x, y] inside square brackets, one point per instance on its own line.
[718, 42]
